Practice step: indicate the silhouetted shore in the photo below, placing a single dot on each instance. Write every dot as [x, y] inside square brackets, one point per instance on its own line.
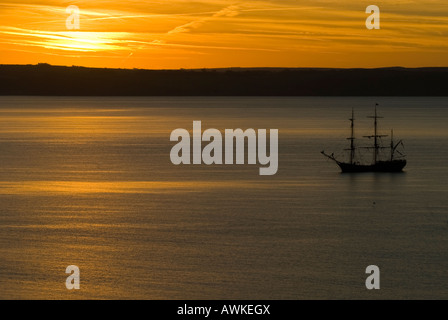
[49, 80]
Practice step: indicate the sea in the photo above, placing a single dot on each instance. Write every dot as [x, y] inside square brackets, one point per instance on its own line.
[88, 181]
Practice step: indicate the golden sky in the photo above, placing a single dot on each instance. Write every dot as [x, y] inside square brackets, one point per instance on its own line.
[219, 33]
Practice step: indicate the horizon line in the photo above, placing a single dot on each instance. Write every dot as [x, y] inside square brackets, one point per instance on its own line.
[45, 64]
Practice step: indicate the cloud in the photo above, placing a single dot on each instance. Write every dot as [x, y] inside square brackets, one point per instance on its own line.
[230, 11]
[285, 32]
[71, 41]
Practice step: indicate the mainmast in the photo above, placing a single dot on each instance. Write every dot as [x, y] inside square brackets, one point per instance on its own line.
[375, 135]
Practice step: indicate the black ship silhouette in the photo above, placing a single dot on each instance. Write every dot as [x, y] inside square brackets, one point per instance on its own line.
[394, 162]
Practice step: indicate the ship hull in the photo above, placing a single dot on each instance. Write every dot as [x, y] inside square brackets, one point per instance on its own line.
[380, 166]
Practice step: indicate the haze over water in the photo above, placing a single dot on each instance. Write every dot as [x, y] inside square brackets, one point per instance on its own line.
[89, 182]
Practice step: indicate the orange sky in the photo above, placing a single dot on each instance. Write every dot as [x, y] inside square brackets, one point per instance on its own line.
[218, 33]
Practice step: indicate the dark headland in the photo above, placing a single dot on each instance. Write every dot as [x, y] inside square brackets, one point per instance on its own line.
[44, 79]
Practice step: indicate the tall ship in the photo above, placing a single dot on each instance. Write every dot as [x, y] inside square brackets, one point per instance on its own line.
[391, 160]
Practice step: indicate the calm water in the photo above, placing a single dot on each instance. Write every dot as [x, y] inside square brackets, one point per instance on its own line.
[88, 181]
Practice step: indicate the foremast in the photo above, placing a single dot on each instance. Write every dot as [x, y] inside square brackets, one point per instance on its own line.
[352, 138]
[352, 142]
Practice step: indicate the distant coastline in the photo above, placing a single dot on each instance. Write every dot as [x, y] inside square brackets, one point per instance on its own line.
[47, 80]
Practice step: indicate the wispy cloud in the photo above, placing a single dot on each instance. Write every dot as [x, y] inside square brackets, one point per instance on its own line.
[230, 11]
[66, 40]
[264, 32]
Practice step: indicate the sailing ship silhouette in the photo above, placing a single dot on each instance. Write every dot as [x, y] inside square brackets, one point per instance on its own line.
[395, 161]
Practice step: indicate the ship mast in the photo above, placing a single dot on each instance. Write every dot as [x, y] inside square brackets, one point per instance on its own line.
[375, 135]
[352, 138]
